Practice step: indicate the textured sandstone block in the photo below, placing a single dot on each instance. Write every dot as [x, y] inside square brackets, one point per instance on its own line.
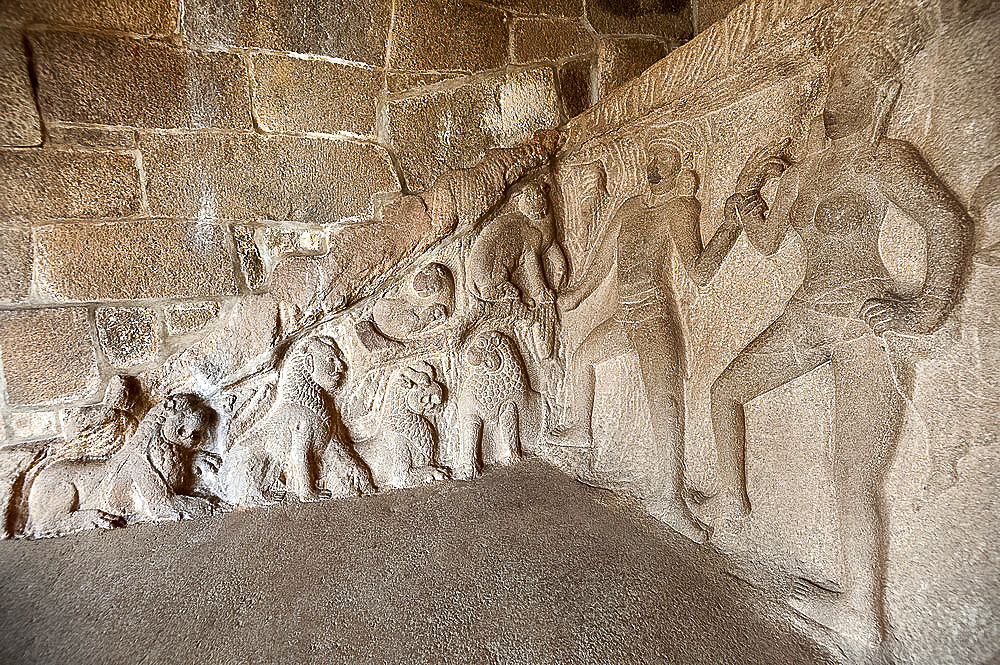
[453, 129]
[128, 335]
[570, 8]
[670, 19]
[402, 81]
[248, 176]
[92, 137]
[297, 95]
[541, 39]
[15, 264]
[575, 86]
[149, 17]
[19, 123]
[135, 259]
[352, 30]
[190, 317]
[447, 34]
[34, 424]
[248, 254]
[56, 341]
[122, 81]
[52, 184]
[621, 59]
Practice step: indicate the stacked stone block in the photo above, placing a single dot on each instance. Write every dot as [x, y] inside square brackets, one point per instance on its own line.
[154, 154]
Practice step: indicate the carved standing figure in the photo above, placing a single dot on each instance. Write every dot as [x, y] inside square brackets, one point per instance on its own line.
[499, 412]
[836, 200]
[299, 443]
[638, 240]
[146, 479]
[401, 453]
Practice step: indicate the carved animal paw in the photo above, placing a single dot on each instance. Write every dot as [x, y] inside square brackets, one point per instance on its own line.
[103, 520]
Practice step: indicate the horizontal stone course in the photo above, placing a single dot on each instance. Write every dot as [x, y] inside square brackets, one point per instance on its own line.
[249, 176]
[131, 260]
[453, 129]
[56, 184]
[19, 123]
[447, 35]
[297, 95]
[121, 81]
[570, 8]
[47, 355]
[544, 39]
[349, 29]
[145, 17]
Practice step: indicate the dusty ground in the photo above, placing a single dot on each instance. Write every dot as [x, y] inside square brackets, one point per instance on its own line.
[525, 566]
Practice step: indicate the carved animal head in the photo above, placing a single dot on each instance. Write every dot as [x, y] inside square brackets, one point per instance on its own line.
[533, 202]
[324, 361]
[434, 282]
[486, 350]
[186, 420]
[423, 394]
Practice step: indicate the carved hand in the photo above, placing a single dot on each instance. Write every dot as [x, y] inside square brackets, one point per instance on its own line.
[906, 315]
[744, 210]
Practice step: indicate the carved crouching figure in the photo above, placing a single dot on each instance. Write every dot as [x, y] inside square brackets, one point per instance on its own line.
[500, 414]
[145, 480]
[402, 453]
[299, 440]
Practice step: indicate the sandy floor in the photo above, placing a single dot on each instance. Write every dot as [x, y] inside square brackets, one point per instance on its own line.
[525, 566]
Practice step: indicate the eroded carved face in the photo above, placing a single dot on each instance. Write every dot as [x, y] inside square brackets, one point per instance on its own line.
[484, 351]
[663, 168]
[433, 281]
[328, 368]
[187, 426]
[857, 78]
[533, 203]
[425, 395]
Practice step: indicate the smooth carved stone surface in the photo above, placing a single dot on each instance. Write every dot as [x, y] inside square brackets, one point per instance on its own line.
[248, 176]
[621, 59]
[19, 123]
[297, 95]
[670, 18]
[122, 81]
[452, 129]
[129, 336]
[56, 339]
[15, 264]
[423, 36]
[544, 39]
[353, 30]
[54, 184]
[147, 258]
[150, 17]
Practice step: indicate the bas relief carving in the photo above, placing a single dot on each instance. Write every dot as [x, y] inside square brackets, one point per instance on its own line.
[486, 318]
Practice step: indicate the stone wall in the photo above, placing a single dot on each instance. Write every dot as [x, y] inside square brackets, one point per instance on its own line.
[158, 156]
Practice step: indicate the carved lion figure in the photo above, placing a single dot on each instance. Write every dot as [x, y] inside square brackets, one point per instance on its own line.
[299, 443]
[499, 412]
[401, 453]
[146, 479]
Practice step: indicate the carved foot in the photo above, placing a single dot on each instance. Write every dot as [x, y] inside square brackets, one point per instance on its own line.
[464, 473]
[828, 606]
[729, 505]
[679, 518]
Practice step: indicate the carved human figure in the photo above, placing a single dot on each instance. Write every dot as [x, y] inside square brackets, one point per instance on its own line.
[516, 264]
[836, 200]
[638, 240]
[299, 441]
[402, 451]
[146, 479]
[499, 412]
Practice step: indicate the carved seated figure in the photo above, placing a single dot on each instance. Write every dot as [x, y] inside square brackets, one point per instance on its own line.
[401, 454]
[146, 479]
[298, 444]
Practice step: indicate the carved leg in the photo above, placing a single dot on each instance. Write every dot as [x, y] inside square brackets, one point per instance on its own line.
[342, 473]
[506, 445]
[470, 444]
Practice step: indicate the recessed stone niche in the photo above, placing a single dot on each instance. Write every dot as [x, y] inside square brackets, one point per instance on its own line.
[268, 253]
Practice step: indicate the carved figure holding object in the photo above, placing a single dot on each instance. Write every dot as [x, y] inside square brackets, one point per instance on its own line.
[428, 301]
[401, 453]
[146, 479]
[836, 200]
[499, 413]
